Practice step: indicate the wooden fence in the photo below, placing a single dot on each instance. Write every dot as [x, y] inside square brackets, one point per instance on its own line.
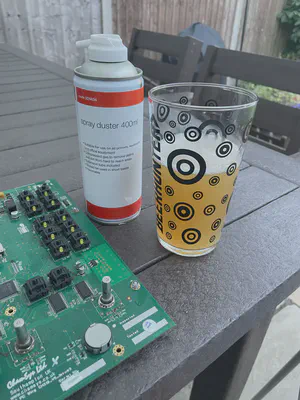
[248, 25]
[50, 28]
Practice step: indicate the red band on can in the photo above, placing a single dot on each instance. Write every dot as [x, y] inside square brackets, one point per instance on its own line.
[110, 99]
[114, 213]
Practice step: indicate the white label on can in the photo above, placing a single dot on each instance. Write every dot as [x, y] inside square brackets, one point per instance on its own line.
[110, 126]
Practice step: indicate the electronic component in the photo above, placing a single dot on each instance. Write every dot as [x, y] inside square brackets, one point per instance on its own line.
[93, 263]
[61, 216]
[66, 202]
[97, 338]
[42, 222]
[50, 233]
[57, 303]
[24, 342]
[10, 205]
[36, 288]
[51, 203]
[60, 277]
[59, 248]
[69, 227]
[79, 240]
[32, 207]
[80, 269]
[47, 197]
[8, 289]
[30, 204]
[83, 290]
[14, 215]
[43, 191]
[2, 250]
[106, 299]
[25, 196]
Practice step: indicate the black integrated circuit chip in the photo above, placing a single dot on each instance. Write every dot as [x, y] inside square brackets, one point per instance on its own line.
[93, 263]
[8, 289]
[83, 290]
[57, 303]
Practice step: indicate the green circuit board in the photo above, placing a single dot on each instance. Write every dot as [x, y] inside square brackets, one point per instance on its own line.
[52, 263]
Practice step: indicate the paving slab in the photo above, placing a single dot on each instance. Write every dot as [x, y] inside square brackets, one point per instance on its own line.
[295, 297]
[279, 346]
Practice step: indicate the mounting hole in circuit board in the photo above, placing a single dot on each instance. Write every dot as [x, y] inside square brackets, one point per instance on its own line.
[135, 285]
[10, 311]
[118, 350]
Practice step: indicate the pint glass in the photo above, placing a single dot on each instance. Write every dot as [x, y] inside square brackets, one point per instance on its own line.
[198, 133]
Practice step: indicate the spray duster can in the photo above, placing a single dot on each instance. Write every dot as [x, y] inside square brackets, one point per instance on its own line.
[109, 97]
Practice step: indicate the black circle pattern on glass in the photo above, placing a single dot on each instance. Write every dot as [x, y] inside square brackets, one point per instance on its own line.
[184, 117]
[224, 199]
[212, 126]
[162, 112]
[212, 239]
[191, 235]
[230, 129]
[169, 137]
[168, 235]
[185, 163]
[172, 225]
[183, 100]
[172, 124]
[214, 180]
[215, 225]
[247, 131]
[209, 210]
[211, 103]
[184, 211]
[169, 190]
[228, 114]
[191, 156]
[197, 195]
[231, 169]
[167, 208]
[192, 134]
[224, 149]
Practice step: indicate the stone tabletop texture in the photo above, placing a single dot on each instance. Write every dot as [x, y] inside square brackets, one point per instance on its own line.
[214, 300]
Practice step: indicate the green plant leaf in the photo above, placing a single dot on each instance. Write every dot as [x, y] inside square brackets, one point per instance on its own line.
[290, 18]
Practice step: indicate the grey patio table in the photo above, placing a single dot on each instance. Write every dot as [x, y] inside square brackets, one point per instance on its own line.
[222, 303]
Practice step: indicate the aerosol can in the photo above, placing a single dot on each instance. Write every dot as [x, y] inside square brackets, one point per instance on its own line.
[109, 96]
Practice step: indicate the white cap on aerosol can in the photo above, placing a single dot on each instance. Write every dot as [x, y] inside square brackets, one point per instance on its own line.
[104, 48]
